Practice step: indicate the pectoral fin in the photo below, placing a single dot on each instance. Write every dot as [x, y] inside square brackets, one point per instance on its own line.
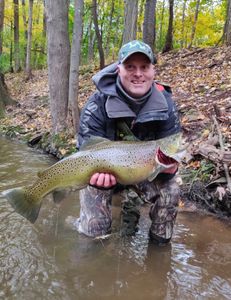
[59, 195]
[156, 171]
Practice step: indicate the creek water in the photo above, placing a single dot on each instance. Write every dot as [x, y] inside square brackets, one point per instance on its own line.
[48, 260]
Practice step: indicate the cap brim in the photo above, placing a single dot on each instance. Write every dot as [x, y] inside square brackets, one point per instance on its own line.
[136, 51]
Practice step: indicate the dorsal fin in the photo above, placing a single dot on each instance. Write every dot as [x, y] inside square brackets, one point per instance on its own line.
[92, 141]
[41, 173]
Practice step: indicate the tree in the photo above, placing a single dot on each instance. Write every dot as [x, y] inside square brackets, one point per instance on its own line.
[227, 27]
[149, 31]
[194, 23]
[98, 34]
[110, 27]
[25, 27]
[161, 24]
[169, 37]
[5, 98]
[2, 6]
[74, 64]
[90, 40]
[183, 25]
[29, 41]
[58, 48]
[16, 37]
[44, 20]
[130, 20]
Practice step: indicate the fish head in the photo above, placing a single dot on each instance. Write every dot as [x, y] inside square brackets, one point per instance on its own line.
[173, 147]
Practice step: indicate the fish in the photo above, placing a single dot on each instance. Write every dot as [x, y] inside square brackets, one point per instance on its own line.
[130, 162]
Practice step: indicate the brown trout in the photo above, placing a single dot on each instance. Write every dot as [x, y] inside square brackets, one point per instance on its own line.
[129, 161]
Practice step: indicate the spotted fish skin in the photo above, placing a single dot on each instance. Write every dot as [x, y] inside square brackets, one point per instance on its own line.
[130, 162]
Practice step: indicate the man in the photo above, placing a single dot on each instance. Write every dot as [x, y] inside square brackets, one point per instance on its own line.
[129, 103]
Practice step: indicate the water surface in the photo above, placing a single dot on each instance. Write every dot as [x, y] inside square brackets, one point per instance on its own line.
[48, 260]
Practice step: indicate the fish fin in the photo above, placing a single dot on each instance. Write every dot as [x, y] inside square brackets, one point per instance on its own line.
[59, 195]
[22, 204]
[92, 141]
[157, 170]
[40, 173]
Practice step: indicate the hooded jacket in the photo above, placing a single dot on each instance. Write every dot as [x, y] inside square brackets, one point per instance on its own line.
[156, 119]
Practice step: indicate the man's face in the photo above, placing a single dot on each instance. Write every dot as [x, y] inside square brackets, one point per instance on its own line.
[136, 75]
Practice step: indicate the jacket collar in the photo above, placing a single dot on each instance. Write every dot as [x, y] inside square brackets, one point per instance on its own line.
[156, 108]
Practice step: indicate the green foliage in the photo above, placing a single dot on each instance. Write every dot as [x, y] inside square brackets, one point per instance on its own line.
[202, 173]
[60, 145]
[11, 131]
[209, 28]
[38, 53]
[4, 63]
[205, 170]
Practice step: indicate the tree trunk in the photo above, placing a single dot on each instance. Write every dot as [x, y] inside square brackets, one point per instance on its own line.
[44, 21]
[169, 37]
[5, 98]
[16, 37]
[98, 35]
[25, 29]
[183, 25]
[2, 6]
[58, 48]
[91, 39]
[161, 24]
[11, 47]
[116, 39]
[29, 42]
[227, 27]
[141, 5]
[109, 28]
[74, 65]
[130, 20]
[149, 32]
[194, 24]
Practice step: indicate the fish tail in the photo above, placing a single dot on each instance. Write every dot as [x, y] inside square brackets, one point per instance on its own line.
[24, 205]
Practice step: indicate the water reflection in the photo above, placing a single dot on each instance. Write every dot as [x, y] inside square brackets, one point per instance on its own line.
[50, 261]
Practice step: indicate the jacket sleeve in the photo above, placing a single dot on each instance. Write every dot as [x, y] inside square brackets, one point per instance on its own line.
[172, 124]
[92, 119]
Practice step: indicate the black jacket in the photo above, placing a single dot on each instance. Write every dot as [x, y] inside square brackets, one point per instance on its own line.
[158, 117]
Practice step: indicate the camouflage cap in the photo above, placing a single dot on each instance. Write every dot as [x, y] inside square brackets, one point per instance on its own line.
[134, 47]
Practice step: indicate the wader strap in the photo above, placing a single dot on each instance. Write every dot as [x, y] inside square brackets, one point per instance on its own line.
[124, 132]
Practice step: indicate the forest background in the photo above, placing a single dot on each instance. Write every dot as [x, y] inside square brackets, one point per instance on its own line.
[36, 34]
[49, 51]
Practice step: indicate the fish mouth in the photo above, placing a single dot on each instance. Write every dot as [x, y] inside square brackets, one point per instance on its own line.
[163, 159]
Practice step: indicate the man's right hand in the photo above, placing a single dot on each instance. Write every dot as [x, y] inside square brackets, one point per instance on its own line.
[103, 180]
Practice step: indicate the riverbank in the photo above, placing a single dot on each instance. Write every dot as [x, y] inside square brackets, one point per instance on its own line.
[201, 83]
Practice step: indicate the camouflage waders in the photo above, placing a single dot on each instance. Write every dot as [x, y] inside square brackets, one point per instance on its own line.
[95, 213]
[164, 196]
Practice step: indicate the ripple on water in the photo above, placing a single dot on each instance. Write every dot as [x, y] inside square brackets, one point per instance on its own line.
[26, 270]
[49, 261]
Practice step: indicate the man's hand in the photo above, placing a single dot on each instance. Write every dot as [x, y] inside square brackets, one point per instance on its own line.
[103, 180]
